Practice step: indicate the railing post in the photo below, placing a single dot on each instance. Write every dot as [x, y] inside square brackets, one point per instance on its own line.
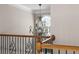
[38, 45]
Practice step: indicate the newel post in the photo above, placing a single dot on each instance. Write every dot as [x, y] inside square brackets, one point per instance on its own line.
[38, 45]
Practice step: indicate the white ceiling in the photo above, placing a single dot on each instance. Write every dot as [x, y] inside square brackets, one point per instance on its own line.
[37, 7]
[45, 8]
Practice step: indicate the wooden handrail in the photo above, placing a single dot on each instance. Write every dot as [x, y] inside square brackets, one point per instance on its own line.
[50, 39]
[64, 47]
[24, 35]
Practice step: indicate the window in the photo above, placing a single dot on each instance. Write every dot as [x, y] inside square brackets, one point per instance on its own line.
[46, 20]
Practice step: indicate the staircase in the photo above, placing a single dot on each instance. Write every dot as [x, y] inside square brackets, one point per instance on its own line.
[29, 44]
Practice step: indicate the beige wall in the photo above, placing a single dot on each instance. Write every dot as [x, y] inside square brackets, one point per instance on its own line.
[13, 19]
[65, 24]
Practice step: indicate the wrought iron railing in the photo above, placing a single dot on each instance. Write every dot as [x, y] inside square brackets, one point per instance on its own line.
[29, 44]
[18, 44]
[15, 44]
